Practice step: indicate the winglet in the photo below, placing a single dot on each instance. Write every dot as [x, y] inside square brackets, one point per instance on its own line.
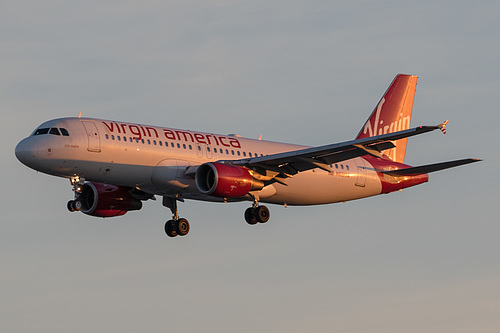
[442, 126]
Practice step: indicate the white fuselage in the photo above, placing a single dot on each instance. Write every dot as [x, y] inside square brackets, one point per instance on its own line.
[161, 160]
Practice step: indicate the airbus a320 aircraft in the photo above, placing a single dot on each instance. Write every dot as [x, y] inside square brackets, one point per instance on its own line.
[113, 166]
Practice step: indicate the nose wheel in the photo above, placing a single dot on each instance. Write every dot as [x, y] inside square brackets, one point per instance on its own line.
[74, 205]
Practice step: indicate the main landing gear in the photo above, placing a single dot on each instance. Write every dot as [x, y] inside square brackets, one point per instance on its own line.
[257, 214]
[179, 226]
[176, 226]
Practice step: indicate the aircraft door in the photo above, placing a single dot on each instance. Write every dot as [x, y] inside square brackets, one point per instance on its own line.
[94, 143]
[360, 171]
[199, 149]
[209, 151]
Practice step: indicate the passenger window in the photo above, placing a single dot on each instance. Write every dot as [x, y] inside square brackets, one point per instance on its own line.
[178, 145]
[161, 143]
[112, 137]
[107, 137]
[232, 152]
[41, 131]
[238, 153]
[119, 138]
[149, 142]
[347, 167]
[172, 144]
[142, 140]
[190, 147]
[64, 132]
[184, 145]
[244, 154]
[154, 142]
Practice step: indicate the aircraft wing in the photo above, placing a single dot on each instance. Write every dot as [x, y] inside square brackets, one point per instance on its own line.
[429, 167]
[287, 164]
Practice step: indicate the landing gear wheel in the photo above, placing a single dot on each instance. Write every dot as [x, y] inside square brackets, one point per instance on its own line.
[182, 227]
[170, 229]
[262, 214]
[78, 205]
[250, 216]
[71, 205]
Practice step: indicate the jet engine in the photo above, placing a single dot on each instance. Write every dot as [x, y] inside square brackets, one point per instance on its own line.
[225, 180]
[104, 200]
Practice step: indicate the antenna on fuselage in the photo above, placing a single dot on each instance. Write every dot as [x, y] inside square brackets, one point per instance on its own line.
[260, 137]
[80, 114]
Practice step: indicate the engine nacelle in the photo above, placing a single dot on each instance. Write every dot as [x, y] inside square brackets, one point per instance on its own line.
[225, 180]
[104, 200]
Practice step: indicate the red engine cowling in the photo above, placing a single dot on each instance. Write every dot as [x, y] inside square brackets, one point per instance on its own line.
[226, 181]
[104, 200]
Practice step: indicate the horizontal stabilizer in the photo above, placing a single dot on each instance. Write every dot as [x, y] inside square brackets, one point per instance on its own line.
[429, 168]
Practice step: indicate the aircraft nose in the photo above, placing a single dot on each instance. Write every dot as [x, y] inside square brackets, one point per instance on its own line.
[26, 151]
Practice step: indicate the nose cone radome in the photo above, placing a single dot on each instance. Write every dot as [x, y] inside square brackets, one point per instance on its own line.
[26, 151]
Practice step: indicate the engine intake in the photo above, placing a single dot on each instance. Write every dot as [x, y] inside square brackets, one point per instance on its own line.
[104, 200]
[225, 180]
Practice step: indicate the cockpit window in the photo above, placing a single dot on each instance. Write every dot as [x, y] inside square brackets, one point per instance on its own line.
[54, 131]
[41, 131]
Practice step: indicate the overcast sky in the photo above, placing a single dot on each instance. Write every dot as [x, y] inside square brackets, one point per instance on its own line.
[310, 72]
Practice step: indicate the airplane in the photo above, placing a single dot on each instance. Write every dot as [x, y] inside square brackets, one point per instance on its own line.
[113, 166]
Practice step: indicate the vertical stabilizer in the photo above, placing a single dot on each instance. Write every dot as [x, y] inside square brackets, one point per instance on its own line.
[392, 114]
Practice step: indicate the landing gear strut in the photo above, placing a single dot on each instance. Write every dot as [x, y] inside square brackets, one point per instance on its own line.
[257, 214]
[176, 226]
[76, 204]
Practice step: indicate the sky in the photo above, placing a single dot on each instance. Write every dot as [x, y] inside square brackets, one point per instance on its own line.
[426, 259]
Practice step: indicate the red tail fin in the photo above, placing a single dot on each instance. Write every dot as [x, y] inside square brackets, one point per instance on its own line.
[392, 114]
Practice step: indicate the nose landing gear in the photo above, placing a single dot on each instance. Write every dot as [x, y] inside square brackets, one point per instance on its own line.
[76, 204]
